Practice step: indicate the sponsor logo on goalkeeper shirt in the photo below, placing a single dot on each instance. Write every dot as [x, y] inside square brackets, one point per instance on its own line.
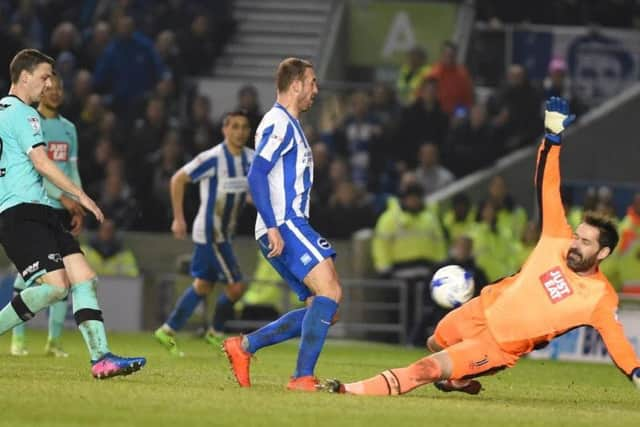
[556, 285]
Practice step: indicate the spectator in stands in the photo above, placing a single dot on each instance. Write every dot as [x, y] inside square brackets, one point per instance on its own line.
[470, 143]
[516, 111]
[80, 91]
[359, 140]
[147, 137]
[387, 110]
[590, 202]
[118, 203]
[249, 103]
[200, 133]
[385, 107]
[112, 11]
[322, 189]
[574, 213]
[11, 44]
[165, 90]
[107, 254]
[348, 210]
[88, 122]
[148, 131]
[626, 268]
[339, 171]
[167, 47]
[430, 174]
[411, 74]
[333, 110]
[460, 218]
[28, 25]
[511, 218]
[110, 128]
[524, 246]
[94, 164]
[66, 67]
[98, 38]
[605, 202]
[455, 88]
[557, 84]
[461, 253]
[407, 233]
[129, 68]
[198, 46]
[422, 121]
[493, 247]
[407, 242]
[96, 153]
[65, 38]
[173, 15]
[164, 163]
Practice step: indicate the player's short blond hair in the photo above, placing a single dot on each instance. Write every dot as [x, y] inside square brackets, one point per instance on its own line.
[289, 70]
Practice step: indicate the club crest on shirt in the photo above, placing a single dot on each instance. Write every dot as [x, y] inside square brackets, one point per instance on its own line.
[35, 124]
[556, 285]
[58, 151]
[324, 243]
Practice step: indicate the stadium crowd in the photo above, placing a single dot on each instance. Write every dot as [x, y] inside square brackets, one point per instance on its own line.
[377, 152]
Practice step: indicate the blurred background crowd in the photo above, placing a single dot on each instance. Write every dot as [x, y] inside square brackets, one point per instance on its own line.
[379, 148]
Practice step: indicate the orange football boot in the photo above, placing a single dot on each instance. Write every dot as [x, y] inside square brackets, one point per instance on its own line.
[239, 358]
[307, 383]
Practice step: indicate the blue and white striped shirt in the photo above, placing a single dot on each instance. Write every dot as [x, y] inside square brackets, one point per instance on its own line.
[223, 189]
[280, 141]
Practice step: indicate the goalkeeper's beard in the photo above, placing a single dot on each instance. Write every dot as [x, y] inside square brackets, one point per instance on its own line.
[578, 263]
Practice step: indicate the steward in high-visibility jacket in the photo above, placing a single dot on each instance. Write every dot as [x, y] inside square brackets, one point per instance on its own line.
[408, 233]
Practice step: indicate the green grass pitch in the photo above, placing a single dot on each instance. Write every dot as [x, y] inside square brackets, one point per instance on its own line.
[197, 390]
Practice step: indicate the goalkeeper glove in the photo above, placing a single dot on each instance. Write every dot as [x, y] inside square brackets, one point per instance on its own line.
[635, 377]
[557, 118]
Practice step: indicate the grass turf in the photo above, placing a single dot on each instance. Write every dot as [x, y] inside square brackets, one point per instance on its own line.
[197, 390]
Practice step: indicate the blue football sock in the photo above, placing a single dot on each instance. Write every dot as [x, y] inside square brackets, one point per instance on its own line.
[314, 331]
[184, 308]
[222, 312]
[287, 327]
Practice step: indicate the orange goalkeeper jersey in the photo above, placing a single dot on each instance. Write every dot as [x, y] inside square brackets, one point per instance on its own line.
[546, 298]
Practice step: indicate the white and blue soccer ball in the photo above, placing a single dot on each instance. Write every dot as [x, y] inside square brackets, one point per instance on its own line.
[452, 286]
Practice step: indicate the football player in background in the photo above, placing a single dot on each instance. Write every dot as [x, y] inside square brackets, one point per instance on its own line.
[45, 253]
[62, 147]
[221, 173]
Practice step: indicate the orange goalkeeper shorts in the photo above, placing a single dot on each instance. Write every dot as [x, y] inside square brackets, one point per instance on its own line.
[473, 351]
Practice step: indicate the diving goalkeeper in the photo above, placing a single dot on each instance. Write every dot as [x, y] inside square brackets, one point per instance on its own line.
[560, 287]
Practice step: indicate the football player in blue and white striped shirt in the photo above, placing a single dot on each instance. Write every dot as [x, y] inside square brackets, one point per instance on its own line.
[222, 176]
[280, 182]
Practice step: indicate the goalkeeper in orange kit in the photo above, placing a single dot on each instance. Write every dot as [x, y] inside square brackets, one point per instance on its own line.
[560, 287]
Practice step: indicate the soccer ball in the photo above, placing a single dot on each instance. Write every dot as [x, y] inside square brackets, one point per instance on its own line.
[452, 286]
